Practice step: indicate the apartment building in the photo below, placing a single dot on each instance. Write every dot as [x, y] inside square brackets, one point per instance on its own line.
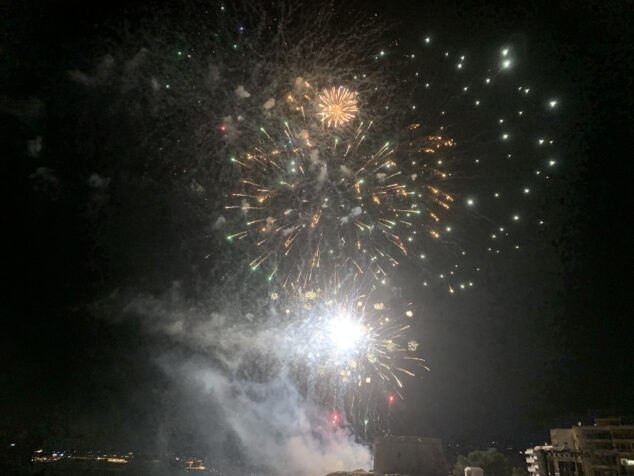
[604, 449]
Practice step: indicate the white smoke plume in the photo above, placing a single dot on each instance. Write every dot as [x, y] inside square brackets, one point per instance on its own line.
[244, 376]
[242, 93]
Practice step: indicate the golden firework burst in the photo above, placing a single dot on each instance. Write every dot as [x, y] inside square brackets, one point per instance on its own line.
[338, 106]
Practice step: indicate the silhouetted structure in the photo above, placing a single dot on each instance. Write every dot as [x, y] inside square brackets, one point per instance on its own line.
[411, 455]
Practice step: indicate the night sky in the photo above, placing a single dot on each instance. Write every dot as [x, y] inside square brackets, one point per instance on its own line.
[546, 342]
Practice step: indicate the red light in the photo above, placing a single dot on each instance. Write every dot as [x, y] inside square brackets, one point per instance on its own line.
[390, 398]
[222, 128]
[335, 417]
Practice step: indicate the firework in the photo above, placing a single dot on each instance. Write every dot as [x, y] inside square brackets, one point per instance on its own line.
[364, 198]
[334, 204]
[424, 156]
[478, 150]
[352, 340]
[338, 106]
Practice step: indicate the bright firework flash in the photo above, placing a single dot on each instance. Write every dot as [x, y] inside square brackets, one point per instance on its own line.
[351, 347]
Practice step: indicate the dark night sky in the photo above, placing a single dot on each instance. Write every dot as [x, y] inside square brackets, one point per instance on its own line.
[548, 343]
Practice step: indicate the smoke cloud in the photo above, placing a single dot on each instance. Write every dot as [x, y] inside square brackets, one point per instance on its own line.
[237, 374]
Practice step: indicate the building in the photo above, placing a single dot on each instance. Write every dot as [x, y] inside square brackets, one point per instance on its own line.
[473, 471]
[533, 457]
[604, 449]
[412, 455]
[540, 461]
[552, 461]
[607, 448]
[562, 438]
